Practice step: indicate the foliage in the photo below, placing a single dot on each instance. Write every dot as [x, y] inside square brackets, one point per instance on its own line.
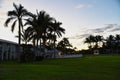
[38, 28]
[109, 45]
[27, 54]
[94, 41]
[15, 16]
[66, 47]
[39, 58]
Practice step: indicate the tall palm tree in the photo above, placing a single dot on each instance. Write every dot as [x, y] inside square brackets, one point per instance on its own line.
[45, 22]
[33, 27]
[15, 16]
[57, 30]
[39, 25]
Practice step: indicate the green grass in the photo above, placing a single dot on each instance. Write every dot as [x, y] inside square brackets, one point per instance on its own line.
[86, 68]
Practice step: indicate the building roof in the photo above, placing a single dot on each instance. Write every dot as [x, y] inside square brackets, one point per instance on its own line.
[6, 41]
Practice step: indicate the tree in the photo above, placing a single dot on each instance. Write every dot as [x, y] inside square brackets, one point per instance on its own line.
[39, 25]
[57, 31]
[45, 22]
[117, 43]
[93, 41]
[33, 28]
[26, 36]
[15, 16]
[110, 42]
[98, 39]
[90, 40]
[64, 44]
[117, 38]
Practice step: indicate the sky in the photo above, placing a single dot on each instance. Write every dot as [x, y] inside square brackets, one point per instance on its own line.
[80, 18]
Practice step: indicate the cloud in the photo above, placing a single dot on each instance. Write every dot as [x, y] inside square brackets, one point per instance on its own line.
[115, 28]
[100, 31]
[81, 6]
[108, 28]
[81, 36]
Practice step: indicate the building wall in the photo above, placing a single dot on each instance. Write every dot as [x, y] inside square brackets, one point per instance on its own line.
[8, 51]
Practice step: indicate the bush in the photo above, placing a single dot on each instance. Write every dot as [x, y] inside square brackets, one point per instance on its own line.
[27, 57]
[27, 54]
[39, 58]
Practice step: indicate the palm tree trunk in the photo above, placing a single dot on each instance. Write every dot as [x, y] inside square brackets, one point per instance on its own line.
[44, 41]
[19, 41]
[54, 44]
[37, 42]
[40, 46]
[54, 48]
[26, 42]
[34, 42]
[19, 32]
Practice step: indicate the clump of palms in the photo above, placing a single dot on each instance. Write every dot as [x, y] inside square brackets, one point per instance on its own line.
[40, 27]
[94, 41]
[44, 27]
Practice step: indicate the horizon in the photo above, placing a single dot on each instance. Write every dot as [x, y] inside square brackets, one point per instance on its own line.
[80, 18]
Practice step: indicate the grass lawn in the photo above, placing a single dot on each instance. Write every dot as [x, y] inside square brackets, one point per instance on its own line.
[86, 68]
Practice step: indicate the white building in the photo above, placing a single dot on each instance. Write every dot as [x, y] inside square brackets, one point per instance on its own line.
[8, 50]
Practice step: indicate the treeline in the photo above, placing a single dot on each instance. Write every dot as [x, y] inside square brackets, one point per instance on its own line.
[110, 44]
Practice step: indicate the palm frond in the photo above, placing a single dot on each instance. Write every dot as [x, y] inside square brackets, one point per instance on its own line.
[13, 25]
[15, 6]
[8, 21]
[12, 13]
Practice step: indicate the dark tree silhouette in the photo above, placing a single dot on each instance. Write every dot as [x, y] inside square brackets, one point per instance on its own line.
[15, 16]
[63, 45]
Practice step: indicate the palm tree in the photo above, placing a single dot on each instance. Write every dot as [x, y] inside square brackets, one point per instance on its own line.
[45, 22]
[39, 25]
[15, 16]
[57, 31]
[117, 38]
[33, 28]
[98, 39]
[110, 38]
[109, 42]
[117, 42]
[26, 36]
[88, 41]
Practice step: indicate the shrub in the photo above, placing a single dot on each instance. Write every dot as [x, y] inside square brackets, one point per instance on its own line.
[27, 54]
[39, 58]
